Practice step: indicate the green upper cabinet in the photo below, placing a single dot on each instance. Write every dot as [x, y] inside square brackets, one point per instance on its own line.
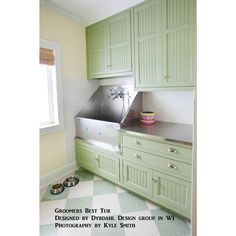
[147, 34]
[164, 42]
[96, 49]
[178, 42]
[109, 47]
[119, 43]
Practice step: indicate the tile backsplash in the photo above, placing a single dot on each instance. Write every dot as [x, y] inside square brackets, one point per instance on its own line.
[170, 106]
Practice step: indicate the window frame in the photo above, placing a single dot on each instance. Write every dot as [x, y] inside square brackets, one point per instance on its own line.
[60, 124]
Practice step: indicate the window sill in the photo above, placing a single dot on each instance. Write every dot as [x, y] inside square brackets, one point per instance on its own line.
[51, 129]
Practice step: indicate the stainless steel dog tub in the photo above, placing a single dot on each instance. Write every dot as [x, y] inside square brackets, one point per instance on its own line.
[109, 108]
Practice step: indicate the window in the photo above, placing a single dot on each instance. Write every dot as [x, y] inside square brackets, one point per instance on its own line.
[50, 101]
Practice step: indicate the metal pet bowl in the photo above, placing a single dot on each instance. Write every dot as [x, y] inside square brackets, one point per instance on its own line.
[71, 181]
[57, 188]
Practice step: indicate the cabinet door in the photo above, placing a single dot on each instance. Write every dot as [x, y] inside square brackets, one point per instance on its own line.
[137, 178]
[147, 28]
[108, 166]
[85, 157]
[178, 42]
[172, 192]
[96, 50]
[119, 41]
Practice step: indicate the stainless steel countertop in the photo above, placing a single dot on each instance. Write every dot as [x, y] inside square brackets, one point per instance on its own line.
[166, 131]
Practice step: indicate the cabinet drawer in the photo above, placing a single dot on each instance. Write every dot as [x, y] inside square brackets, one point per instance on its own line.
[168, 166]
[164, 149]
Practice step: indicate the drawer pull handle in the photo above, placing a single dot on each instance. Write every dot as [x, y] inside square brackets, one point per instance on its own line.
[138, 156]
[172, 166]
[154, 180]
[172, 150]
[137, 142]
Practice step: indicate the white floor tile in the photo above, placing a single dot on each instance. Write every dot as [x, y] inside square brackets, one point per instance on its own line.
[96, 177]
[82, 189]
[107, 201]
[47, 211]
[151, 205]
[145, 227]
[120, 190]
[188, 223]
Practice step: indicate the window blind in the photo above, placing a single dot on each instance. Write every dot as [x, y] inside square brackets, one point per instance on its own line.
[47, 56]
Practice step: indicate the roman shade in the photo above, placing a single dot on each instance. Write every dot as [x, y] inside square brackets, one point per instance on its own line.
[47, 56]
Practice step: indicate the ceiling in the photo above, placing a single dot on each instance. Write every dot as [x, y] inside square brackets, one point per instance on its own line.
[88, 11]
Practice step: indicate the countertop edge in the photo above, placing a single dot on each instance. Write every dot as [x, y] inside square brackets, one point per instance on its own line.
[158, 138]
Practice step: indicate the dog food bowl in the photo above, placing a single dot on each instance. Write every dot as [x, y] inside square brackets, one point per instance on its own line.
[71, 181]
[147, 115]
[57, 188]
[147, 122]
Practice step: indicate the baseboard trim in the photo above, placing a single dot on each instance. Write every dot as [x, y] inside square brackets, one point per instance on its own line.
[55, 175]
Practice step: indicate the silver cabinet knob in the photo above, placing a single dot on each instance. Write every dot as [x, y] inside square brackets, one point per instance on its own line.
[172, 166]
[137, 156]
[154, 180]
[137, 142]
[164, 77]
[172, 150]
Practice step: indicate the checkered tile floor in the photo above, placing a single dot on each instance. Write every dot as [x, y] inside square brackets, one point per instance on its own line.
[95, 192]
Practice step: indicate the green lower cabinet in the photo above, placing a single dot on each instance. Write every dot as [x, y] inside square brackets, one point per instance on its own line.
[108, 166]
[137, 178]
[169, 191]
[105, 164]
[172, 193]
[86, 157]
[166, 190]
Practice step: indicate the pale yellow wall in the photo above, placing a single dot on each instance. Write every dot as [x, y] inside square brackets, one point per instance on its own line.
[54, 151]
[71, 36]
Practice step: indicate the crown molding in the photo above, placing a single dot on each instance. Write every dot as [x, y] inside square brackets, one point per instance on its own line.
[61, 11]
